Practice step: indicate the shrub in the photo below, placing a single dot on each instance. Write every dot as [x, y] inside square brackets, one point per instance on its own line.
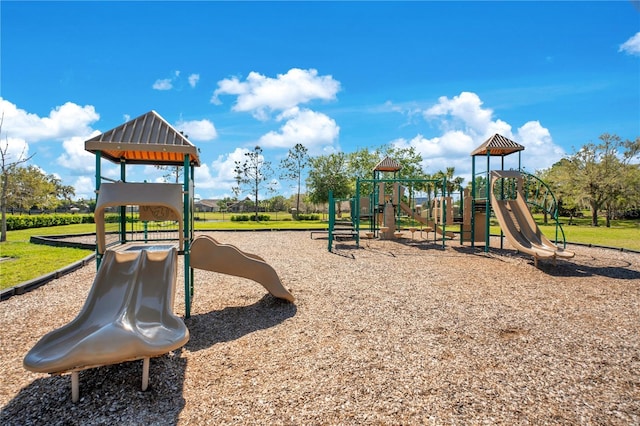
[16, 222]
[310, 216]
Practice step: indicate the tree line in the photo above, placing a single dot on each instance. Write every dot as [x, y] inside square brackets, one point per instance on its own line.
[601, 177]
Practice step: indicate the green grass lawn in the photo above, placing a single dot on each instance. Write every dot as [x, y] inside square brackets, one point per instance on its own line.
[28, 261]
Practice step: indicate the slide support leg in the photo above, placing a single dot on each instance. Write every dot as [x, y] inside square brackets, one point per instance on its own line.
[145, 374]
[75, 386]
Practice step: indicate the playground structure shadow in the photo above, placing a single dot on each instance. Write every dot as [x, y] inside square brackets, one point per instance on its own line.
[108, 394]
[574, 267]
[231, 323]
[111, 393]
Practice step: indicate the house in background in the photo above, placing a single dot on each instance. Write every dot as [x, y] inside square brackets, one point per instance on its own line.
[207, 206]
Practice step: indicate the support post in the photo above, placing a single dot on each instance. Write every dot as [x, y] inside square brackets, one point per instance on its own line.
[356, 207]
[98, 181]
[487, 238]
[75, 386]
[332, 212]
[473, 201]
[123, 209]
[145, 374]
[188, 289]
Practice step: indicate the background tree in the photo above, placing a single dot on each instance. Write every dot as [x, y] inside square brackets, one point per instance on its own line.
[293, 166]
[598, 175]
[360, 164]
[7, 168]
[253, 172]
[328, 173]
[29, 187]
[223, 205]
[171, 173]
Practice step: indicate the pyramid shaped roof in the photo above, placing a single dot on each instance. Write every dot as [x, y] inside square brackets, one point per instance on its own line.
[148, 139]
[497, 145]
[387, 165]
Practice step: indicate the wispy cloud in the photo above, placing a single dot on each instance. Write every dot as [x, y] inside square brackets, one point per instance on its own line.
[163, 84]
[631, 46]
[193, 80]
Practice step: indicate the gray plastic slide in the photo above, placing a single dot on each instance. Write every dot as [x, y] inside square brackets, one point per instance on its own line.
[128, 315]
[518, 225]
[210, 255]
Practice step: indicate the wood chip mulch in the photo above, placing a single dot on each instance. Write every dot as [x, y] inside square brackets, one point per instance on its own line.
[395, 332]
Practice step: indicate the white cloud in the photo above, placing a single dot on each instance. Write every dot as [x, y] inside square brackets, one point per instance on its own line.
[64, 121]
[84, 187]
[312, 129]
[452, 149]
[17, 149]
[163, 84]
[631, 46]
[261, 95]
[465, 124]
[75, 157]
[540, 151]
[465, 109]
[193, 79]
[220, 175]
[198, 130]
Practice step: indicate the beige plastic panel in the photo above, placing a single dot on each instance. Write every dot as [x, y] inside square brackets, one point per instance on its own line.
[160, 195]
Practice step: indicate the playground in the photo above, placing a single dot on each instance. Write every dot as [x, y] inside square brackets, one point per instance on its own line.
[391, 324]
[397, 332]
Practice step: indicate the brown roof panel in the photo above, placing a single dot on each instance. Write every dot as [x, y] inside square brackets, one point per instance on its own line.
[148, 139]
[497, 145]
[387, 165]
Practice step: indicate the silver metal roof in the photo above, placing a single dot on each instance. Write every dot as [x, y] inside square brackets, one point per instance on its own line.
[148, 139]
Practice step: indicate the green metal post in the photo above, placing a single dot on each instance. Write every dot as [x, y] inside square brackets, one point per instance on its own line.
[502, 193]
[473, 202]
[123, 209]
[357, 209]
[98, 181]
[188, 289]
[487, 206]
[332, 212]
[443, 209]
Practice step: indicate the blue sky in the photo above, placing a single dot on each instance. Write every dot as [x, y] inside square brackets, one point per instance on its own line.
[334, 76]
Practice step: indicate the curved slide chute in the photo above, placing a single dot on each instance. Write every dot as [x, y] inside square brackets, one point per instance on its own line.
[210, 255]
[518, 225]
[128, 315]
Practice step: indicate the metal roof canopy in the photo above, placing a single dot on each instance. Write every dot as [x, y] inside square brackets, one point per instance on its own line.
[497, 145]
[148, 139]
[387, 165]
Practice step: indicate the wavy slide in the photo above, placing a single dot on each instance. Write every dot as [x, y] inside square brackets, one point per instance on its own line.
[128, 315]
[518, 225]
[405, 207]
[210, 255]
